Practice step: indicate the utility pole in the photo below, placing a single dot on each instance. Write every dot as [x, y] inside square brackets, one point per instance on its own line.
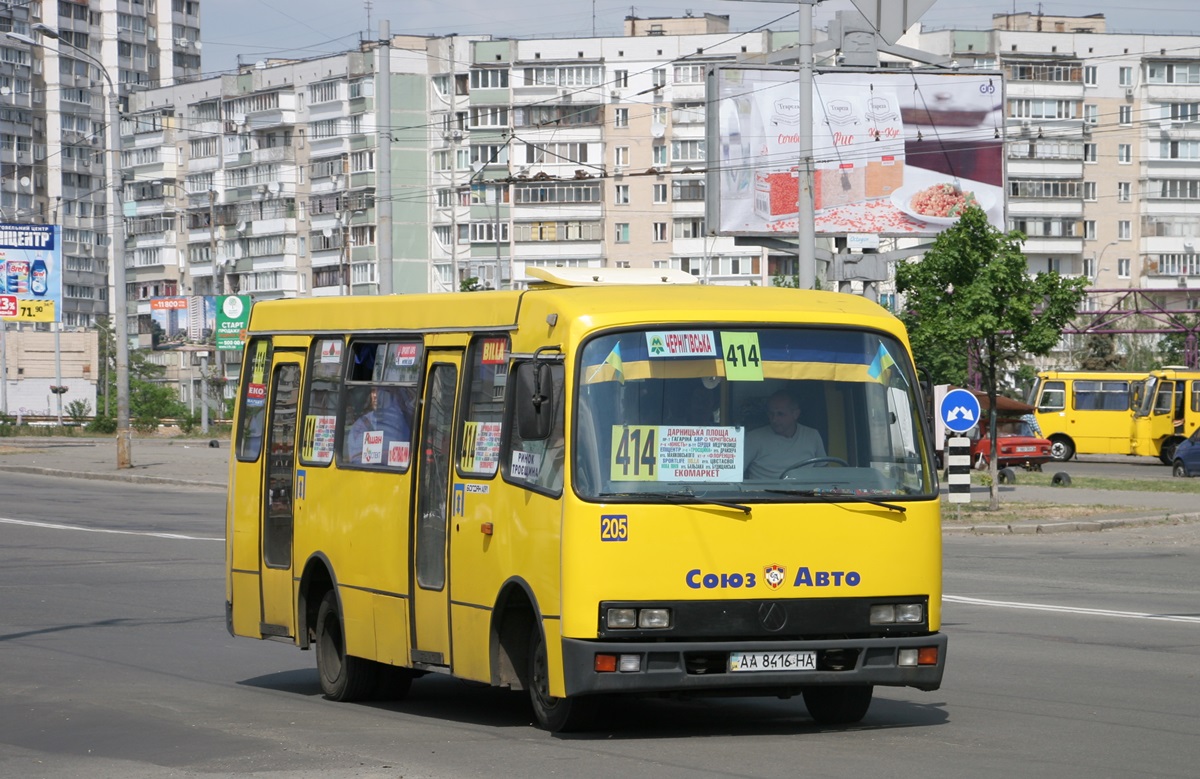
[383, 162]
[806, 232]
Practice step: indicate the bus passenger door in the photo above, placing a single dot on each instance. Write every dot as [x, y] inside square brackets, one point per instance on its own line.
[435, 463]
[276, 572]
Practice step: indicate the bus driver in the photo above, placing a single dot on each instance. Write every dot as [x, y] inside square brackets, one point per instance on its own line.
[783, 442]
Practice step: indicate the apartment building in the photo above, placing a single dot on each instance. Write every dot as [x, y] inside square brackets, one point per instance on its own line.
[1103, 147]
[54, 119]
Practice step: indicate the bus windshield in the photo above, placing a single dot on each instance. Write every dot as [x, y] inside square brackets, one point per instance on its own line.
[744, 414]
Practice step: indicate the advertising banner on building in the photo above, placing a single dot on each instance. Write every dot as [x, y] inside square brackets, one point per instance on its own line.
[30, 273]
[216, 321]
[895, 153]
[233, 319]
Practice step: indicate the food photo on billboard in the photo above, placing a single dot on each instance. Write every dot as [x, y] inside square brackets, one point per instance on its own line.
[894, 153]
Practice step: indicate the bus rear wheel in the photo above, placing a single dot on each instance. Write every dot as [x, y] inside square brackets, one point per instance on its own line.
[1061, 449]
[842, 705]
[343, 678]
[557, 715]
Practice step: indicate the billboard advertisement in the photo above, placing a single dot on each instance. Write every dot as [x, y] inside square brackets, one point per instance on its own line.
[199, 320]
[30, 273]
[895, 153]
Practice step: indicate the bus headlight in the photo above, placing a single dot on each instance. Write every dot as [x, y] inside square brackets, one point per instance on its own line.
[646, 619]
[654, 618]
[622, 618]
[893, 613]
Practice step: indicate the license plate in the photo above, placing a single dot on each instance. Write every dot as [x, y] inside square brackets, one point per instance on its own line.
[772, 661]
[1026, 448]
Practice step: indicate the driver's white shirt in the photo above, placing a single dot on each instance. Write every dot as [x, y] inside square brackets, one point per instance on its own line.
[768, 454]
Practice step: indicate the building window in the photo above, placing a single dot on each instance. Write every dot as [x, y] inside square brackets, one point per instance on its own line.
[1125, 76]
[1091, 113]
[1124, 191]
[622, 232]
[659, 154]
[660, 193]
[1125, 114]
[660, 77]
[1089, 229]
[1089, 190]
[687, 151]
[1124, 153]
[620, 117]
[660, 232]
[1123, 268]
[620, 78]
[621, 156]
[621, 195]
[1124, 229]
[1089, 75]
[689, 74]
[489, 78]
[1089, 152]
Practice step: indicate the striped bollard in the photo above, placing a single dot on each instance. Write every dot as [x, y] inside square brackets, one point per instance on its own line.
[958, 469]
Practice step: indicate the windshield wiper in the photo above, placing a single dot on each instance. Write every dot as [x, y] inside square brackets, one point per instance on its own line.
[834, 497]
[683, 497]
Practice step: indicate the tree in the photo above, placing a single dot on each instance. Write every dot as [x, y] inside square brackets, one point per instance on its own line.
[149, 399]
[971, 298]
[1100, 353]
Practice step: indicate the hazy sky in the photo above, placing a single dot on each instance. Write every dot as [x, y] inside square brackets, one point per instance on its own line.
[256, 29]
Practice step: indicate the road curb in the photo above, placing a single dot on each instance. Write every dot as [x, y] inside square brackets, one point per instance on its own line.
[135, 478]
[1082, 526]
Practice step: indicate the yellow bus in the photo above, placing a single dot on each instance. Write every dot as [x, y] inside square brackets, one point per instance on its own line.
[1167, 413]
[1087, 412]
[574, 490]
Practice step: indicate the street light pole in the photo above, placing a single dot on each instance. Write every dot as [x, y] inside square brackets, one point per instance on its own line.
[116, 240]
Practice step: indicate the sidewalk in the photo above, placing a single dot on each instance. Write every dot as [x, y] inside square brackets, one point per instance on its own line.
[192, 463]
[185, 462]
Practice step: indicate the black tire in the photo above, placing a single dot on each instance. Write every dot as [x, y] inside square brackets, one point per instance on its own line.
[838, 705]
[1178, 470]
[1061, 479]
[394, 683]
[1007, 476]
[1061, 449]
[557, 715]
[343, 677]
[1167, 452]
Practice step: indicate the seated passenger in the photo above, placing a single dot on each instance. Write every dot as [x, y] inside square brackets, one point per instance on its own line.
[781, 444]
[383, 425]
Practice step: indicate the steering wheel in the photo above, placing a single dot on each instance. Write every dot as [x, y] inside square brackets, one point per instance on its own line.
[814, 461]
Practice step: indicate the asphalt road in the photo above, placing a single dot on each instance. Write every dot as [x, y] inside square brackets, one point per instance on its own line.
[1070, 656]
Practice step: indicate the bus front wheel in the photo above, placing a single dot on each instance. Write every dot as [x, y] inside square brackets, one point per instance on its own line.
[1166, 453]
[343, 678]
[557, 715]
[838, 705]
[1061, 449]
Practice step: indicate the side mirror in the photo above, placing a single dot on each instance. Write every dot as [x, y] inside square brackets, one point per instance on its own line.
[534, 398]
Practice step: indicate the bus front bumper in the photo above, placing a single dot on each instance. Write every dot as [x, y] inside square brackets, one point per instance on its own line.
[703, 667]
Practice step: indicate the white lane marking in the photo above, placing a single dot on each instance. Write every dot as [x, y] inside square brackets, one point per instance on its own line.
[56, 526]
[1004, 604]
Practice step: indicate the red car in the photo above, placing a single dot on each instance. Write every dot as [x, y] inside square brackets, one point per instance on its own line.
[1018, 446]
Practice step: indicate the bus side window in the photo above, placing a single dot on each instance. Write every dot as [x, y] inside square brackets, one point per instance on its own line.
[253, 413]
[481, 426]
[321, 401]
[535, 463]
[1053, 397]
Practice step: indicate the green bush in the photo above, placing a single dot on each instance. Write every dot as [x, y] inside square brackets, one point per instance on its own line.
[79, 411]
[146, 423]
[103, 425]
[188, 423]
